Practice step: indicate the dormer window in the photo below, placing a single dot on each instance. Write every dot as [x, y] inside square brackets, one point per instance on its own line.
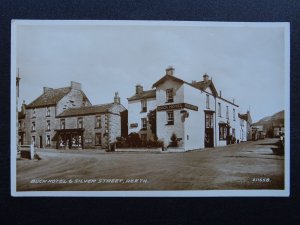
[169, 95]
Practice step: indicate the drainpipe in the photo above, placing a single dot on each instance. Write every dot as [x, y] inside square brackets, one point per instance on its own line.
[215, 121]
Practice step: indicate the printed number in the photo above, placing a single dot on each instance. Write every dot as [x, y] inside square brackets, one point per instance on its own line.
[261, 179]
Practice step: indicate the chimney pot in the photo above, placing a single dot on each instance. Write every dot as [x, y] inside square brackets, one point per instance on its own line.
[138, 89]
[170, 71]
[45, 89]
[75, 85]
[220, 94]
[117, 99]
[205, 77]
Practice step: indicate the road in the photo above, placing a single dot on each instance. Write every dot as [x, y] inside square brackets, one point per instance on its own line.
[248, 165]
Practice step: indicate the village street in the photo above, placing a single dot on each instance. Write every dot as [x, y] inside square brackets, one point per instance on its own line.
[249, 165]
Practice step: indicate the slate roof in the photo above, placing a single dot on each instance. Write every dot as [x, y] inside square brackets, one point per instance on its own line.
[86, 110]
[143, 95]
[243, 116]
[166, 77]
[51, 97]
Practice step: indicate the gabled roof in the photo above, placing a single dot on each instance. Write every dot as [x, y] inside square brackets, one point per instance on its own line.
[51, 97]
[87, 110]
[203, 85]
[167, 77]
[143, 95]
[243, 116]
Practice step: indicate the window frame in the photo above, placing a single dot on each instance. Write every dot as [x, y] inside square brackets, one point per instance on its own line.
[80, 122]
[219, 109]
[207, 101]
[62, 124]
[170, 95]
[144, 123]
[98, 121]
[170, 120]
[223, 131]
[97, 135]
[144, 105]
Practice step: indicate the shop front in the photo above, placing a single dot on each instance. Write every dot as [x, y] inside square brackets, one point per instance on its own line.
[69, 138]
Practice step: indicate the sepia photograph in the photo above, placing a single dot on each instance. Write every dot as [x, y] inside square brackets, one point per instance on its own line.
[150, 108]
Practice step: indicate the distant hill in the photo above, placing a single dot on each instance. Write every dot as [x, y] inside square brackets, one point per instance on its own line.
[270, 121]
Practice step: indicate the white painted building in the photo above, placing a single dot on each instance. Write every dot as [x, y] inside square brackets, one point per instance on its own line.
[139, 105]
[194, 112]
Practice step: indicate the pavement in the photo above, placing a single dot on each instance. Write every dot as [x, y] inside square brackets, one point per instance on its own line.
[245, 166]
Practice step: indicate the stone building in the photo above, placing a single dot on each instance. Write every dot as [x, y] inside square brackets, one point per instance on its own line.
[195, 112]
[65, 118]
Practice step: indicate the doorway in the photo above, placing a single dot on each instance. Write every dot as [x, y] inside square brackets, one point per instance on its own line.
[209, 129]
[41, 141]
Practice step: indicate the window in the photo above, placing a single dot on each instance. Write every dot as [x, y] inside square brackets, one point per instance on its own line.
[222, 131]
[48, 140]
[169, 95]
[33, 113]
[144, 105]
[144, 123]
[47, 111]
[219, 109]
[170, 117]
[20, 124]
[233, 114]
[33, 140]
[98, 139]
[48, 125]
[62, 124]
[33, 126]
[79, 123]
[98, 121]
[227, 112]
[209, 120]
[233, 132]
[207, 101]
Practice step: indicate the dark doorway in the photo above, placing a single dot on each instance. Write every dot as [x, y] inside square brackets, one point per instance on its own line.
[209, 129]
[41, 141]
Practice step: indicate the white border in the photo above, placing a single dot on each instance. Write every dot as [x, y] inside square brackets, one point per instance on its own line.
[184, 193]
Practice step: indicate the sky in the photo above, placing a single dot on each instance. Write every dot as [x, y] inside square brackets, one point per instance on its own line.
[246, 62]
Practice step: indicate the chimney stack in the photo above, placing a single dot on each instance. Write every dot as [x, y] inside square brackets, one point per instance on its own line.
[170, 71]
[205, 77]
[138, 89]
[117, 99]
[220, 94]
[45, 89]
[75, 85]
[23, 109]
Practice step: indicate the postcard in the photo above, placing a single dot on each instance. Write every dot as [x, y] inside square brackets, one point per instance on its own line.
[150, 108]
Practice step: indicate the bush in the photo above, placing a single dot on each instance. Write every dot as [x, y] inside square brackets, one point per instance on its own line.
[174, 142]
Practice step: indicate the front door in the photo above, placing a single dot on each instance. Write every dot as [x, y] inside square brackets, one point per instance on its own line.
[209, 130]
[41, 141]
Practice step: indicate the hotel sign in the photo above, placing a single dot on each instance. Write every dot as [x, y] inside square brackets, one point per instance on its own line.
[177, 106]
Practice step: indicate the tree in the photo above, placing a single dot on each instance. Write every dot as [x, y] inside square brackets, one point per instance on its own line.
[174, 141]
[152, 121]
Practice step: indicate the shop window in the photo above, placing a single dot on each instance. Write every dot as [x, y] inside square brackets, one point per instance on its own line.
[219, 109]
[222, 131]
[144, 123]
[79, 123]
[209, 120]
[98, 139]
[169, 95]
[62, 124]
[170, 117]
[98, 121]
[143, 105]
